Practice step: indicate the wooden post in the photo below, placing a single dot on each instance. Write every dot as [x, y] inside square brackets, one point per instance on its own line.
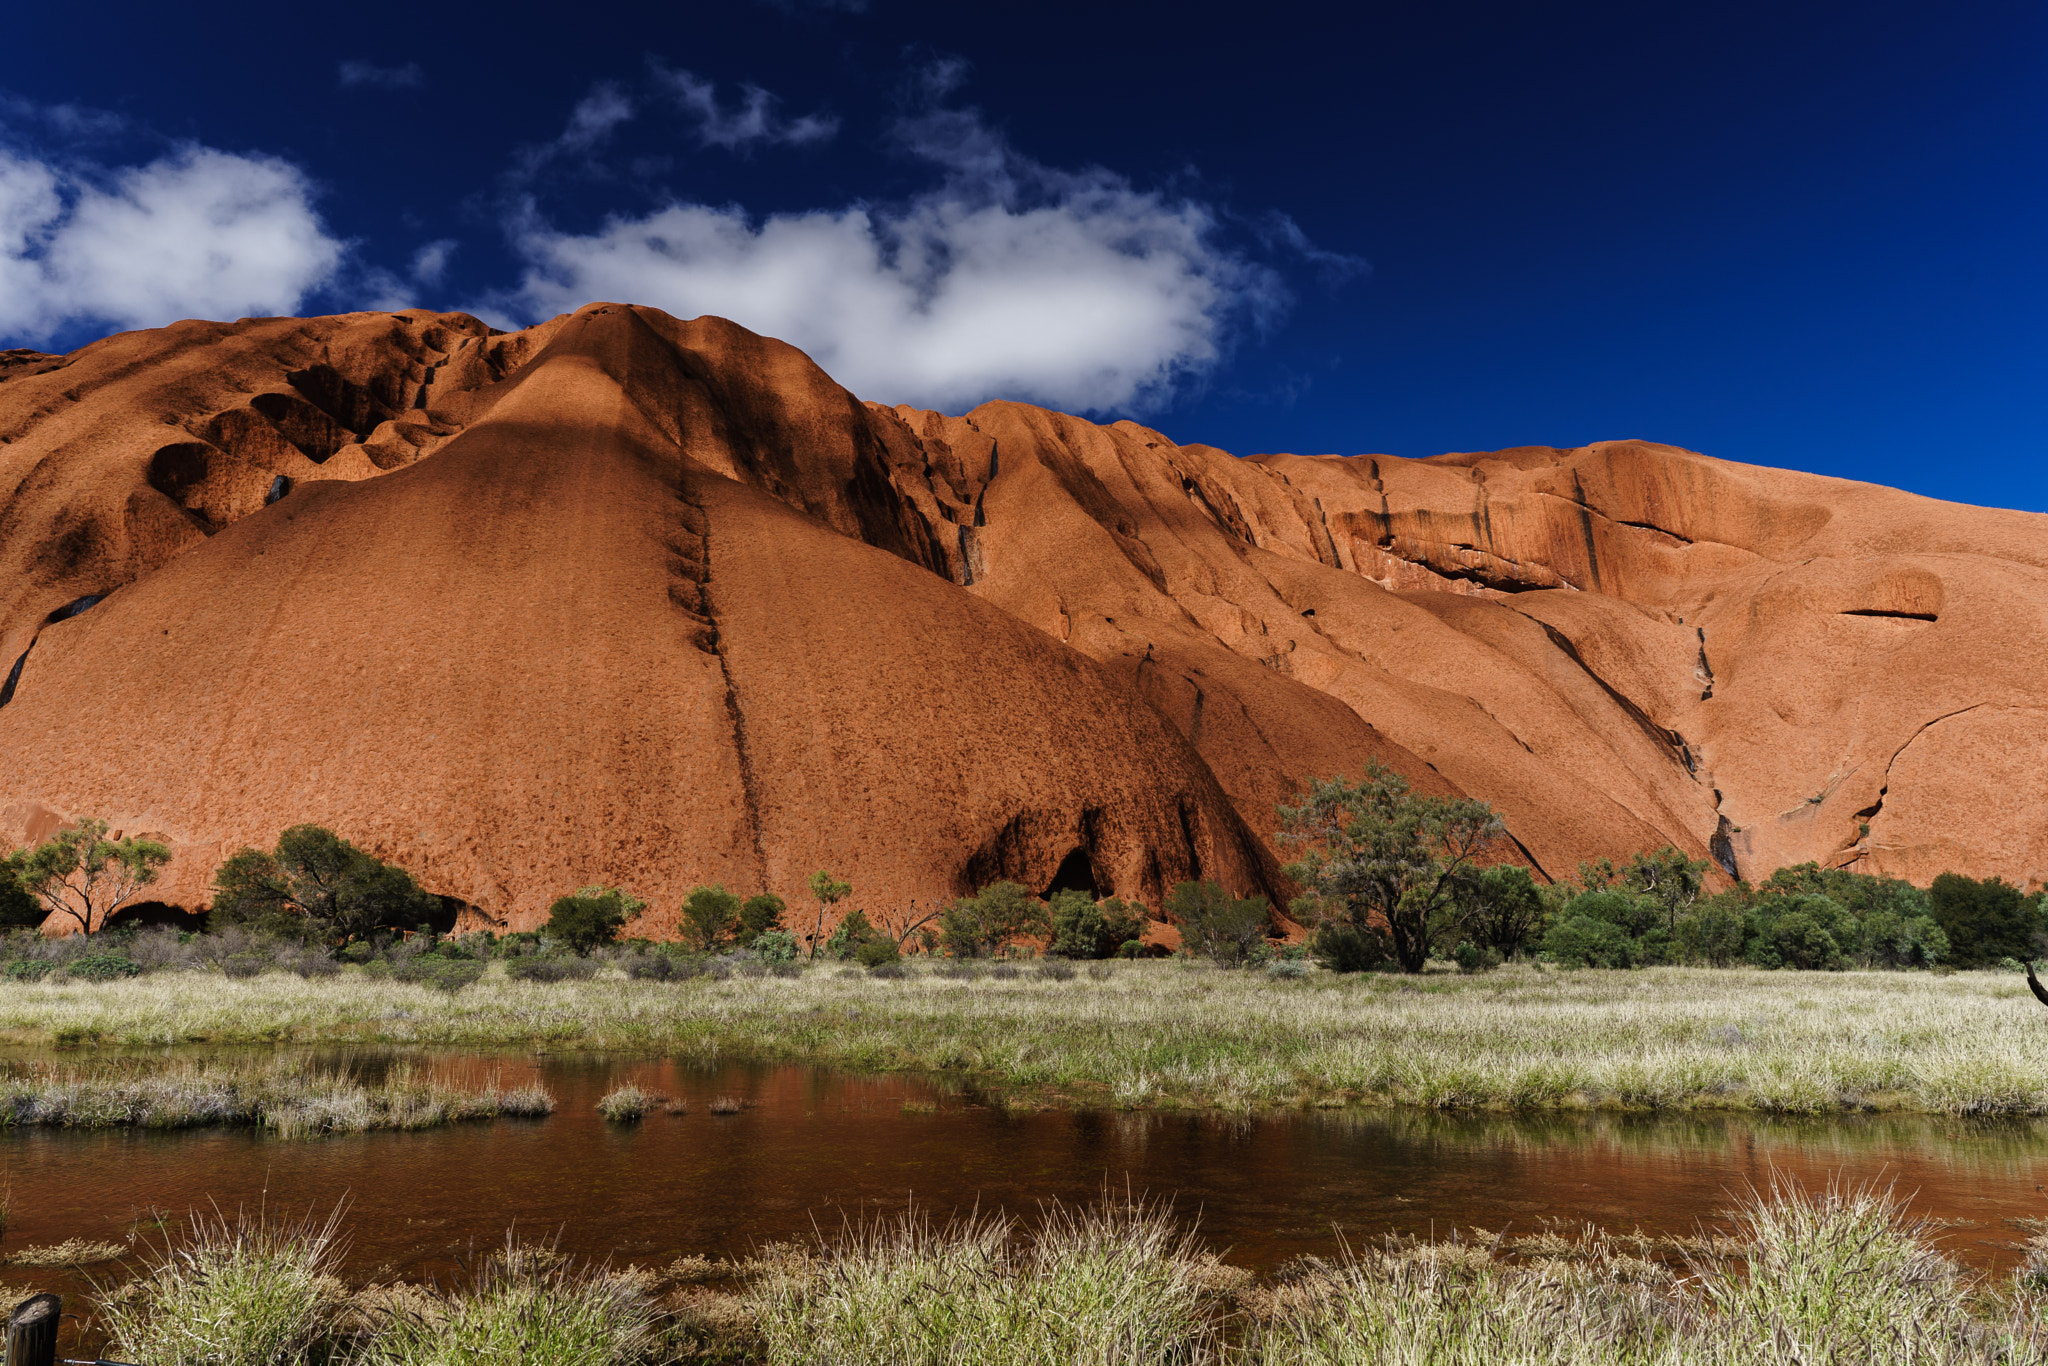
[32, 1331]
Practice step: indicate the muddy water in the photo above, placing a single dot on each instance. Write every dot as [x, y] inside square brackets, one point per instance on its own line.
[809, 1149]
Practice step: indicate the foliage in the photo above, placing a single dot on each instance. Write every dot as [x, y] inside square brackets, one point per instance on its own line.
[1580, 940]
[80, 873]
[318, 879]
[1502, 909]
[1374, 853]
[1223, 928]
[707, 913]
[103, 967]
[1082, 927]
[583, 921]
[759, 915]
[983, 923]
[1347, 948]
[829, 891]
[1985, 921]
[877, 952]
[853, 931]
[774, 946]
[19, 907]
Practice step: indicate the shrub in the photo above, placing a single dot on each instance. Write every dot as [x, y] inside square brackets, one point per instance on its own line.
[1347, 948]
[1503, 909]
[1715, 932]
[1056, 971]
[775, 946]
[854, 930]
[761, 915]
[19, 907]
[875, 952]
[548, 969]
[707, 913]
[1580, 941]
[1085, 928]
[28, 969]
[583, 922]
[1217, 925]
[102, 967]
[977, 925]
[1984, 921]
[448, 974]
[650, 967]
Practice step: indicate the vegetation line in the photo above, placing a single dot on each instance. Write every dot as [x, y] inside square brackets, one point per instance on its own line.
[1843, 1275]
[1169, 1033]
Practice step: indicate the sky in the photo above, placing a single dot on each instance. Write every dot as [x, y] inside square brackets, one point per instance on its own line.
[1808, 235]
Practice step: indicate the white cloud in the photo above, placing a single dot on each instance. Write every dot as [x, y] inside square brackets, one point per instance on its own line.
[1008, 279]
[590, 124]
[406, 77]
[753, 121]
[197, 233]
[430, 263]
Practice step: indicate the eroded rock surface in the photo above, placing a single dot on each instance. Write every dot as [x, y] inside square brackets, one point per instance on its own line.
[626, 599]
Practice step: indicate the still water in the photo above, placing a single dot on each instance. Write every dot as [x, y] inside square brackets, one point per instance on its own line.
[810, 1149]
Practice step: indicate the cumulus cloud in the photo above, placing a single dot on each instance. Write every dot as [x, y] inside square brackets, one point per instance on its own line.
[406, 77]
[1006, 279]
[752, 122]
[196, 233]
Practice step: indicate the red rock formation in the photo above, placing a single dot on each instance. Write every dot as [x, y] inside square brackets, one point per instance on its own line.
[632, 600]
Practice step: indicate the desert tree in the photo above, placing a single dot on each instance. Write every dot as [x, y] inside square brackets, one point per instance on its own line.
[709, 912]
[20, 909]
[1223, 928]
[80, 873]
[1376, 855]
[829, 891]
[316, 879]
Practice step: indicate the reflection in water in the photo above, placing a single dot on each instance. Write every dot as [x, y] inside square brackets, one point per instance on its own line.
[811, 1148]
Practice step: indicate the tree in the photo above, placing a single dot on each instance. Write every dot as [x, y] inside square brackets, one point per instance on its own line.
[1000, 912]
[1504, 908]
[759, 915]
[1668, 878]
[1374, 853]
[584, 921]
[329, 885]
[830, 891]
[1217, 925]
[708, 911]
[1985, 921]
[81, 873]
[1082, 927]
[19, 907]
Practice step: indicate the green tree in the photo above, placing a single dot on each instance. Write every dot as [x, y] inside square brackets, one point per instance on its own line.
[339, 891]
[759, 915]
[80, 873]
[709, 911]
[19, 907]
[1715, 931]
[1503, 909]
[853, 933]
[829, 891]
[1374, 853]
[1984, 921]
[1219, 926]
[585, 921]
[1669, 879]
[1579, 940]
[998, 913]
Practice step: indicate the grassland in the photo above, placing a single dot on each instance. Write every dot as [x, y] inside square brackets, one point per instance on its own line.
[1842, 1276]
[1167, 1034]
[282, 1096]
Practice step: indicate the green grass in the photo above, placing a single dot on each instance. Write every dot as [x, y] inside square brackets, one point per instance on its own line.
[286, 1098]
[1164, 1034]
[1838, 1277]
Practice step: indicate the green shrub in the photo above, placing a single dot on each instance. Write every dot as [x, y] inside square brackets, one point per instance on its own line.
[1085, 928]
[761, 915]
[1580, 941]
[873, 953]
[583, 922]
[102, 967]
[980, 924]
[1223, 928]
[28, 969]
[1983, 921]
[853, 931]
[774, 946]
[1715, 932]
[707, 913]
[1347, 948]
[430, 969]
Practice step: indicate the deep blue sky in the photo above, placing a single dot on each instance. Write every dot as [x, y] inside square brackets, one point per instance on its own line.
[1798, 234]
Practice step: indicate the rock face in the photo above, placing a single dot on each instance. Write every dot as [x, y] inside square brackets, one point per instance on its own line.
[630, 600]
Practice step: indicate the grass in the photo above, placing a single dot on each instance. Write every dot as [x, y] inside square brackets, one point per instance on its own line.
[70, 1252]
[1837, 1277]
[285, 1098]
[1165, 1034]
[625, 1104]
